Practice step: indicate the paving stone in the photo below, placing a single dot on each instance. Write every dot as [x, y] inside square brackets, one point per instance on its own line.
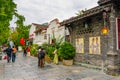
[25, 68]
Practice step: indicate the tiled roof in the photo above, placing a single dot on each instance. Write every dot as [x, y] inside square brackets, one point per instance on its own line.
[40, 29]
[36, 24]
[87, 13]
[101, 2]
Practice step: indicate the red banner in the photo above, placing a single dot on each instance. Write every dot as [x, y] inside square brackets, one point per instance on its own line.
[118, 33]
[22, 41]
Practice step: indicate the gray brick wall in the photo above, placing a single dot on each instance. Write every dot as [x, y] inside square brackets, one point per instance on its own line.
[108, 42]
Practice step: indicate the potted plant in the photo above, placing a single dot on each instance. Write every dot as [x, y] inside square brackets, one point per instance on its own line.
[67, 52]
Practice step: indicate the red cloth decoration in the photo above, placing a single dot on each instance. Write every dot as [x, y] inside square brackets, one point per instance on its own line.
[22, 41]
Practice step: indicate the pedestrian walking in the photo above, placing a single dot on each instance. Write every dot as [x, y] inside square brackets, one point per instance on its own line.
[25, 51]
[28, 51]
[14, 50]
[8, 52]
[55, 60]
[41, 56]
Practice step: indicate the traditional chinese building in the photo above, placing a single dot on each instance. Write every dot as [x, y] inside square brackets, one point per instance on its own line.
[41, 34]
[56, 30]
[96, 36]
[31, 32]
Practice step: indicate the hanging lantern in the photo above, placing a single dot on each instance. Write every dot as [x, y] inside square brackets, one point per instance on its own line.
[104, 30]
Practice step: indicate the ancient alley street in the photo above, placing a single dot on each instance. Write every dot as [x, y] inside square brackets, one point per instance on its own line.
[25, 68]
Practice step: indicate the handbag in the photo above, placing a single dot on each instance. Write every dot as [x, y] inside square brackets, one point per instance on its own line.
[5, 57]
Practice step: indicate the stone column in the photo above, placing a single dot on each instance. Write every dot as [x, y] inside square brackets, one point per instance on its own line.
[112, 54]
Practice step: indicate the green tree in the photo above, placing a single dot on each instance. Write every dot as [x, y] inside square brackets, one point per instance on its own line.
[14, 37]
[22, 31]
[7, 11]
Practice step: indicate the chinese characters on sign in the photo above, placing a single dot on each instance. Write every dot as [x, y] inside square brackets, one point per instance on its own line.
[79, 45]
[94, 45]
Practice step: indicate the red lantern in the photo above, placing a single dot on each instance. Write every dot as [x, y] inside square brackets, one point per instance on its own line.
[22, 41]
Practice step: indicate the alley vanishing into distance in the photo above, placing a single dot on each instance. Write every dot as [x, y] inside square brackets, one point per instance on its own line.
[25, 68]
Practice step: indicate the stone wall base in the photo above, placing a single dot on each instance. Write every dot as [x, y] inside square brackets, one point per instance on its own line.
[113, 70]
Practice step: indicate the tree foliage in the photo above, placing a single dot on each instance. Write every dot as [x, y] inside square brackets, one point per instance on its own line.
[7, 11]
[23, 31]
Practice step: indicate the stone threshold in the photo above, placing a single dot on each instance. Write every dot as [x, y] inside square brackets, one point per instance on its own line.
[90, 66]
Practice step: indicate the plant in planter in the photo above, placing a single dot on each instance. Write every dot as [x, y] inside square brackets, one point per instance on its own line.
[67, 52]
[49, 48]
[34, 49]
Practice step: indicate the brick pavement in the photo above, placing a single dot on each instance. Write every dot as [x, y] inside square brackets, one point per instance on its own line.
[25, 68]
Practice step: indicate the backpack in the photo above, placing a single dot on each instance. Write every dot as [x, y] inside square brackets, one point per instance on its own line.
[41, 54]
[9, 50]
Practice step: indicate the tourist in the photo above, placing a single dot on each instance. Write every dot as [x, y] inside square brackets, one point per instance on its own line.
[14, 50]
[25, 51]
[8, 52]
[41, 56]
[55, 60]
[28, 51]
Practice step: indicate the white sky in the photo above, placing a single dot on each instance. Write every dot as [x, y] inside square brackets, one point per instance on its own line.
[42, 11]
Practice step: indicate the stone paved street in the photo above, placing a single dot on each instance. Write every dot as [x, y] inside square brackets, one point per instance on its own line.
[1, 70]
[25, 68]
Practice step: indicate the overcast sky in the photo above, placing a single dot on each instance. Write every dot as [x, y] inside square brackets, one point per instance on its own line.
[42, 11]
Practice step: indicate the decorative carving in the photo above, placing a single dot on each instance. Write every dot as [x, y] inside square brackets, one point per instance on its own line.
[84, 31]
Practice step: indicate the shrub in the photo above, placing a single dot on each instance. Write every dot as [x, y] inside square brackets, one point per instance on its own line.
[66, 51]
[34, 49]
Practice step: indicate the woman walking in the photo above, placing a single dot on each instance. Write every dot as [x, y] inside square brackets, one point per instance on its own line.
[14, 50]
[55, 60]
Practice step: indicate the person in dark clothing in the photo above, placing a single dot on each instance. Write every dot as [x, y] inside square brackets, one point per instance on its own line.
[8, 52]
[14, 50]
[41, 55]
[25, 51]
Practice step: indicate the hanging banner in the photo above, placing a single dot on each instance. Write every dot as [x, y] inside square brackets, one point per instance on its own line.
[22, 41]
[118, 33]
